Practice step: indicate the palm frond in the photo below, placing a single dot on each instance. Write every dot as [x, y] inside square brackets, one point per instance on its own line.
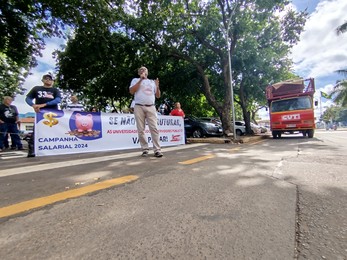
[340, 90]
[341, 29]
[343, 71]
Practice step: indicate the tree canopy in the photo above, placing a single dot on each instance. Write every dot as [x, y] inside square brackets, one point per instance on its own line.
[24, 24]
[184, 43]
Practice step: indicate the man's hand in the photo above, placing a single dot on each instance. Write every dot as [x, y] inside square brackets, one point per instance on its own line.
[157, 93]
[157, 83]
[37, 107]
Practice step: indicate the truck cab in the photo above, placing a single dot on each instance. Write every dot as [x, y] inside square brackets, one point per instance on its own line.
[291, 107]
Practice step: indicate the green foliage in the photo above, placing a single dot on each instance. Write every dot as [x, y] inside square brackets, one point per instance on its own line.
[340, 90]
[186, 45]
[335, 114]
[25, 23]
[11, 78]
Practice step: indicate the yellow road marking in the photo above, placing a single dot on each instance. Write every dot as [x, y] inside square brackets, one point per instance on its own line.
[257, 142]
[234, 149]
[199, 159]
[40, 202]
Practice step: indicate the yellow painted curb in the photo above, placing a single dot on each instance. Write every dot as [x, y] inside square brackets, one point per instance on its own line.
[43, 201]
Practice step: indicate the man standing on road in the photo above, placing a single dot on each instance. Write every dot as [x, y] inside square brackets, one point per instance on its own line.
[145, 91]
[45, 97]
[8, 124]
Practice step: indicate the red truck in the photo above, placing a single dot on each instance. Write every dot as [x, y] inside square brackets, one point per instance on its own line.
[291, 107]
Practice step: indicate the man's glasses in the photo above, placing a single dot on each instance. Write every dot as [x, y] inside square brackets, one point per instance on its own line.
[48, 79]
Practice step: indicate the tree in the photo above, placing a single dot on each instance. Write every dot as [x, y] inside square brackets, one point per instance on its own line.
[185, 44]
[198, 32]
[25, 23]
[11, 78]
[334, 114]
[340, 90]
[98, 64]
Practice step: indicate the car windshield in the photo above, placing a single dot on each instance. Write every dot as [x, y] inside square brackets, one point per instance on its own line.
[298, 103]
[192, 118]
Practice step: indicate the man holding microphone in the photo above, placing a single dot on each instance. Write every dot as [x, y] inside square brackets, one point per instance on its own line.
[145, 91]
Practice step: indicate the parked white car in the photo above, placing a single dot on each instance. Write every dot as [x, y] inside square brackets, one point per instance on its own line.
[255, 128]
[240, 128]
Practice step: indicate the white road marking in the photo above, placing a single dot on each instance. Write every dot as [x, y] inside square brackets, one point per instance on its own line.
[278, 169]
[55, 165]
[14, 154]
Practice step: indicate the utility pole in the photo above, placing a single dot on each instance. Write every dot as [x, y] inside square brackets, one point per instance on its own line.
[228, 40]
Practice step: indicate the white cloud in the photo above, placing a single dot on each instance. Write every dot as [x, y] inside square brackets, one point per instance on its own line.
[321, 51]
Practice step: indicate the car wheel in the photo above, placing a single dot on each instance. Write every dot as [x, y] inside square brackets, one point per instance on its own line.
[238, 132]
[197, 133]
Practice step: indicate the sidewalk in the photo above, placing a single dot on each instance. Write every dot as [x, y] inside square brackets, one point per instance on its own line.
[222, 140]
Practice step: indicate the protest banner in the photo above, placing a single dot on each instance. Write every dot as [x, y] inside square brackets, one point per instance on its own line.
[67, 132]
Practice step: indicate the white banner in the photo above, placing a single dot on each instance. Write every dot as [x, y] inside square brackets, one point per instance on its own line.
[66, 132]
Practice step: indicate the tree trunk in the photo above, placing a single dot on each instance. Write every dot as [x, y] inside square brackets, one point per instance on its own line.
[222, 109]
[245, 112]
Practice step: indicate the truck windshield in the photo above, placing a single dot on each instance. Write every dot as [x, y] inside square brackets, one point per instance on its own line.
[298, 103]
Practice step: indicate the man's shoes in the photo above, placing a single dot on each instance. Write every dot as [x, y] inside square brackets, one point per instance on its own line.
[158, 154]
[21, 149]
[144, 153]
[31, 155]
[13, 148]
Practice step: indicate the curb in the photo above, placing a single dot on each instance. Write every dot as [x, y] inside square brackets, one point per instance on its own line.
[222, 140]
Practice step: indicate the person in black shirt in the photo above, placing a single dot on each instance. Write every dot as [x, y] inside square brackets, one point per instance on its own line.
[45, 96]
[8, 123]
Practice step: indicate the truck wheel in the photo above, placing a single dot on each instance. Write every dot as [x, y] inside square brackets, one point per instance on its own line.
[310, 133]
[274, 134]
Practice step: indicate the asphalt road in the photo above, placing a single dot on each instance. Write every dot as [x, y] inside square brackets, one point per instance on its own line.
[272, 199]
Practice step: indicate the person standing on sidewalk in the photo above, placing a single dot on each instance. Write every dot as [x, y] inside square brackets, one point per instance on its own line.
[75, 105]
[178, 111]
[45, 96]
[8, 123]
[145, 91]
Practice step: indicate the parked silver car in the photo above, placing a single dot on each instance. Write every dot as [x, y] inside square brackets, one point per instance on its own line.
[198, 127]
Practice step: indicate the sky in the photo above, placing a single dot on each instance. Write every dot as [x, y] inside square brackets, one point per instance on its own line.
[319, 53]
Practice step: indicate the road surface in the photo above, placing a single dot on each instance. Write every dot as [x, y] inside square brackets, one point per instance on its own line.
[271, 199]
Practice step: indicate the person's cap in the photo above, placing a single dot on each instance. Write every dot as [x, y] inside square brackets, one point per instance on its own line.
[47, 76]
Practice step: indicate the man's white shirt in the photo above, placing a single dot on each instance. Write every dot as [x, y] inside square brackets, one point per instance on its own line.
[146, 92]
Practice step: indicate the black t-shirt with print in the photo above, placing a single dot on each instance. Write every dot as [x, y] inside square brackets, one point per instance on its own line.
[43, 95]
[8, 114]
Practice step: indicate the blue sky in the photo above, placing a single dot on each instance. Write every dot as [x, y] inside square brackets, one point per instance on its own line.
[319, 53]
[310, 5]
